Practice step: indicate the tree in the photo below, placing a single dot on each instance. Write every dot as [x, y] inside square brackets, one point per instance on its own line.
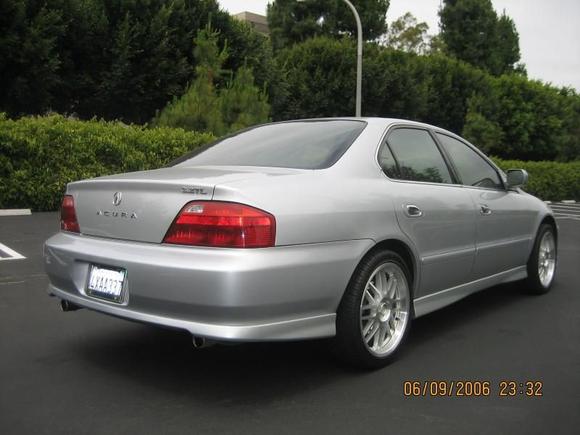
[508, 116]
[486, 133]
[30, 62]
[436, 45]
[472, 32]
[242, 104]
[570, 149]
[522, 119]
[508, 44]
[145, 68]
[206, 108]
[406, 34]
[291, 21]
[114, 59]
[253, 50]
[320, 81]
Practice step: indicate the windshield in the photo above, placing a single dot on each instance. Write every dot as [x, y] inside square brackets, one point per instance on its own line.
[298, 144]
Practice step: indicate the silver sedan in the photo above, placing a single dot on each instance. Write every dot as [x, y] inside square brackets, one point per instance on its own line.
[344, 228]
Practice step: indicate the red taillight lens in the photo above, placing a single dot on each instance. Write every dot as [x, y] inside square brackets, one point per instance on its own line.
[222, 224]
[68, 216]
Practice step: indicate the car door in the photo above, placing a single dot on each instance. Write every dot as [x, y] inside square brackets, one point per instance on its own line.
[504, 220]
[435, 213]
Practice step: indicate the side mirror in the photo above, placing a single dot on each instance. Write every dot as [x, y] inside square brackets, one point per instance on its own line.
[516, 178]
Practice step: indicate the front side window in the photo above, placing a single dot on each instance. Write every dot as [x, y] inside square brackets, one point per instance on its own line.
[471, 167]
[417, 157]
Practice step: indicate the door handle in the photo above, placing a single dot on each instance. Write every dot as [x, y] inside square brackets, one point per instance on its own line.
[484, 209]
[412, 210]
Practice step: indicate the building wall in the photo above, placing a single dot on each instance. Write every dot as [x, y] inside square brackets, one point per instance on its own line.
[258, 22]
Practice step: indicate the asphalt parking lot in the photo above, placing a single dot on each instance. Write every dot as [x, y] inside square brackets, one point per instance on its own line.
[85, 373]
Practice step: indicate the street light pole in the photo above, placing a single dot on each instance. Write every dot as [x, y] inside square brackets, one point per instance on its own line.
[359, 56]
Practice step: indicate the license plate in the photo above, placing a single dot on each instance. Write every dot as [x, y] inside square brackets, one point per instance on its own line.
[106, 283]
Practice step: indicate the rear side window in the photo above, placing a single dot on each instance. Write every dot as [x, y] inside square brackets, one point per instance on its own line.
[471, 167]
[299, 145]
[387, 162]
[416, 155]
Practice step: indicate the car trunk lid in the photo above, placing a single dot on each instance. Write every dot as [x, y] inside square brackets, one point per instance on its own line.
[141, 206]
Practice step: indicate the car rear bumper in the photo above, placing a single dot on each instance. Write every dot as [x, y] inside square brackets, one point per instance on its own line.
[281, 293]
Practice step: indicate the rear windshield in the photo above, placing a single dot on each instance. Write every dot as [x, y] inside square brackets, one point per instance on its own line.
[299, 145]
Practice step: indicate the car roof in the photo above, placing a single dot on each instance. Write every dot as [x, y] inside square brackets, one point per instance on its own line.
[386, 122]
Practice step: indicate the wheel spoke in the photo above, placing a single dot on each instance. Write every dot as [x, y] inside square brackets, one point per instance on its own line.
[372, 332]
[380, 282]
[368, 327]
[378, 293]
[376, 342]
[383, 335]
[370, 297]
[392, 287]
[392, 324]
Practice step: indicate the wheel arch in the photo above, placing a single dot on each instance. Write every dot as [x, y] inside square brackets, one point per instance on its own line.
[399, 247]
[549, 219]
[404, 251]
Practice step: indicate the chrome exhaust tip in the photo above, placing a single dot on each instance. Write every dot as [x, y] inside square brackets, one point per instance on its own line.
[67, 306]
[200, 342]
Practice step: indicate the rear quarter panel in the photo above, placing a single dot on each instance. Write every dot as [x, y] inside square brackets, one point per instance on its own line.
[320, 208]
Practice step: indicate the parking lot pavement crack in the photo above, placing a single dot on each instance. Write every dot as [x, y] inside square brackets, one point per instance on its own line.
[11, 282]
[20, 279]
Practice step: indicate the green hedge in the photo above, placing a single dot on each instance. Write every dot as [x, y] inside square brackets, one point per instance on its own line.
[550, 181]
[39, 155]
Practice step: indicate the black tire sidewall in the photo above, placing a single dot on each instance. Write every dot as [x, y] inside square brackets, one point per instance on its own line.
[349, 344]
[533, 283]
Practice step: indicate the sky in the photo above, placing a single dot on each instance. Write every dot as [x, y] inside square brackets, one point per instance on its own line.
[549, 31]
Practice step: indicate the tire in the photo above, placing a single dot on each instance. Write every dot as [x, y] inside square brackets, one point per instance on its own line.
[543, 262]
[381, 273]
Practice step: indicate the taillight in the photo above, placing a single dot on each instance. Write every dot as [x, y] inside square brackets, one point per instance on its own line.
[222, 224]
[68, 216]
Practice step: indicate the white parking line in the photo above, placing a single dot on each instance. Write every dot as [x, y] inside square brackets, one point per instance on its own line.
[569, 210]
[559, 207]
[557, 210]
[565, 206]
[15, 212]
[9, 254]
[566, 210]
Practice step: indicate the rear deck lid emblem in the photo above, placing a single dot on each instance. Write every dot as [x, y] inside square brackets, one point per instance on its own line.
[117, 198]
